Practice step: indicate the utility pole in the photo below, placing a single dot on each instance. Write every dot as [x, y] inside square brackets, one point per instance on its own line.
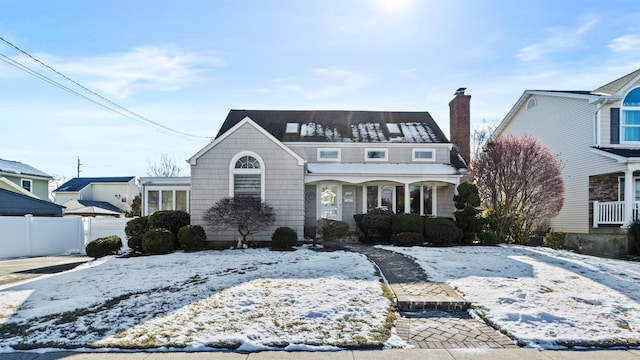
[79, 163]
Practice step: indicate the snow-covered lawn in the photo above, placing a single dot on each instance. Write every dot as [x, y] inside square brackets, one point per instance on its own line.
[543, 297]
[247, 299]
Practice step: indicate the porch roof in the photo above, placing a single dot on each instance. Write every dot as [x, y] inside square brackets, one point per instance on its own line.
[380, 169]
[622, 155]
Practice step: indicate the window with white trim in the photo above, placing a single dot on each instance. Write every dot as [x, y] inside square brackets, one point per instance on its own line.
[292, 128]
[247, 177]
[376, 154]
[329, 154]
[630, 117]
[621, 188]
[424, 155]
[26, 184]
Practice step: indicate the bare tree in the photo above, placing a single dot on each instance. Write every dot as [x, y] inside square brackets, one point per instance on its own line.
[481, 134]
[518, 177]
[247, 215]
[166, 167]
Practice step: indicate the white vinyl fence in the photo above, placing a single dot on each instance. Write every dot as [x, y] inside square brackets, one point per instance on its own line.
[27, 236]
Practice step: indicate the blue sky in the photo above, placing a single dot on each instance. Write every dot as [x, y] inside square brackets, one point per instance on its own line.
[185, 64]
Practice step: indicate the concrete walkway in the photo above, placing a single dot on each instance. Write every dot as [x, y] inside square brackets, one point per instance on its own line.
[410, 354]
[15, 270]
[430, 315]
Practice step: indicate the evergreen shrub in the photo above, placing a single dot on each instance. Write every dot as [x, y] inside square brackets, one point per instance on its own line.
[407, 239]
[441, 231]
[158, 241]
[284, 238]
[108, 245]
[135, 230]
[192, 238]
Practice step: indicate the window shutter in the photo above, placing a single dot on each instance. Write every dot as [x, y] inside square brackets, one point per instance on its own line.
[615, 125]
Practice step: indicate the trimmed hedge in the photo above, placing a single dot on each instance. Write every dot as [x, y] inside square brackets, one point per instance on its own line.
[412, 223]
[441, 231]
[108, 245]
[135, 230]
[332, 229]
[192, 238]
[171, 220]
[407, 239]
[158, 241]
[555, 239]
[377, 225]
[284, 238]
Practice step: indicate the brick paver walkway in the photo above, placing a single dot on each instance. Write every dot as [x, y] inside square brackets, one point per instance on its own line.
[429, 314]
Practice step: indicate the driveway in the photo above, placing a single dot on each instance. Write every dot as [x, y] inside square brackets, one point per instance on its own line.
[27, 268]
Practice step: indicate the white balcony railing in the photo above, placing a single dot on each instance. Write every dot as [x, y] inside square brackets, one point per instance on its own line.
[612, 213]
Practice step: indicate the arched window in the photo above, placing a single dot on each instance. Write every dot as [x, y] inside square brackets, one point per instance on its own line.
[531, 103]
[630, 119]
[246, 176]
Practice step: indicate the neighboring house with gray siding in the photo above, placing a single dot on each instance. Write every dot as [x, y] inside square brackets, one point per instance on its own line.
[596, 136]
[117, 193]
[309, 165]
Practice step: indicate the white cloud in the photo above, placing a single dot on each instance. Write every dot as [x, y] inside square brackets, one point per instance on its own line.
[625, 43]
[558, 39]
[158, 68]
[409, 73]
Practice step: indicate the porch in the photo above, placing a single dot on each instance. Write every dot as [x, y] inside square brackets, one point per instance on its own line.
[613, 213]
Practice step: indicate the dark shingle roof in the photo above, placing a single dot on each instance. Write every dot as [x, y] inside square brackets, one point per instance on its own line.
[14, 204]
[18, 168]
[77, 184]
[624, 152]
[337, 126]
[101, 204]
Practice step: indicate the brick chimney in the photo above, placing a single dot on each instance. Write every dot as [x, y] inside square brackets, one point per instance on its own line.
[460, 123]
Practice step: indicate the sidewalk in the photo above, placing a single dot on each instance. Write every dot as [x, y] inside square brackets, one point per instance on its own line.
[411, 354]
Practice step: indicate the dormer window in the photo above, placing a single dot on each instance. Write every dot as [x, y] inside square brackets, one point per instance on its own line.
[630, 117]
[292, 128]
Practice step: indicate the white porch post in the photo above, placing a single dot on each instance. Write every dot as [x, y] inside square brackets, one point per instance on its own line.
[629, 197]
[407, 199]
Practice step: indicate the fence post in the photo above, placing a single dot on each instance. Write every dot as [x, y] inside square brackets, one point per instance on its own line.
[27, 220]
[596, 215]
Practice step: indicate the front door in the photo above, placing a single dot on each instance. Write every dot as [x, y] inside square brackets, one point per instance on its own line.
[329, 201]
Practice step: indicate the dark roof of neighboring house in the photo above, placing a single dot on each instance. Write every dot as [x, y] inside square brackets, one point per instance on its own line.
[101, 204]
[18, 168]
[77, 184]
[347, 126]
[14, 204]
[627, 153]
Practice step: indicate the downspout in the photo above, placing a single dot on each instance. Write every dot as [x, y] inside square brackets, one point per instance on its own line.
[596, 123]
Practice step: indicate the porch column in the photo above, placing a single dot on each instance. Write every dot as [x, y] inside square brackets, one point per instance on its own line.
[629, 197]
[407, 199]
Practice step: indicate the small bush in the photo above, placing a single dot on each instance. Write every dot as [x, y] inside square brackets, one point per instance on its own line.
[441, 231]
[158, 241]
[633, 238]
[489, 237]
[135, 230]
[108, 245]
[331, 230]
[284, 238]
[412, 223]
[171, 220]
[192, 237]
[555, 239]
[377, 225]
[407, 239]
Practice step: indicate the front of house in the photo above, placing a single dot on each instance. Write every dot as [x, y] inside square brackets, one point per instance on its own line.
[309, 165]
[596, 137]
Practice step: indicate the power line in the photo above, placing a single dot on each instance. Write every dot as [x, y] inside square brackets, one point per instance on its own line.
[111, 105]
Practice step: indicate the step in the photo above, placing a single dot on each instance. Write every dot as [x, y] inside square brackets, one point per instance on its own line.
[427, 296]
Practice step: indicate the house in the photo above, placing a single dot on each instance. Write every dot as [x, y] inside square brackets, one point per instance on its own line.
[24, 190]
[109, 193]
[309, 165]
[24, 179]
[165, 193]
[596, 136]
